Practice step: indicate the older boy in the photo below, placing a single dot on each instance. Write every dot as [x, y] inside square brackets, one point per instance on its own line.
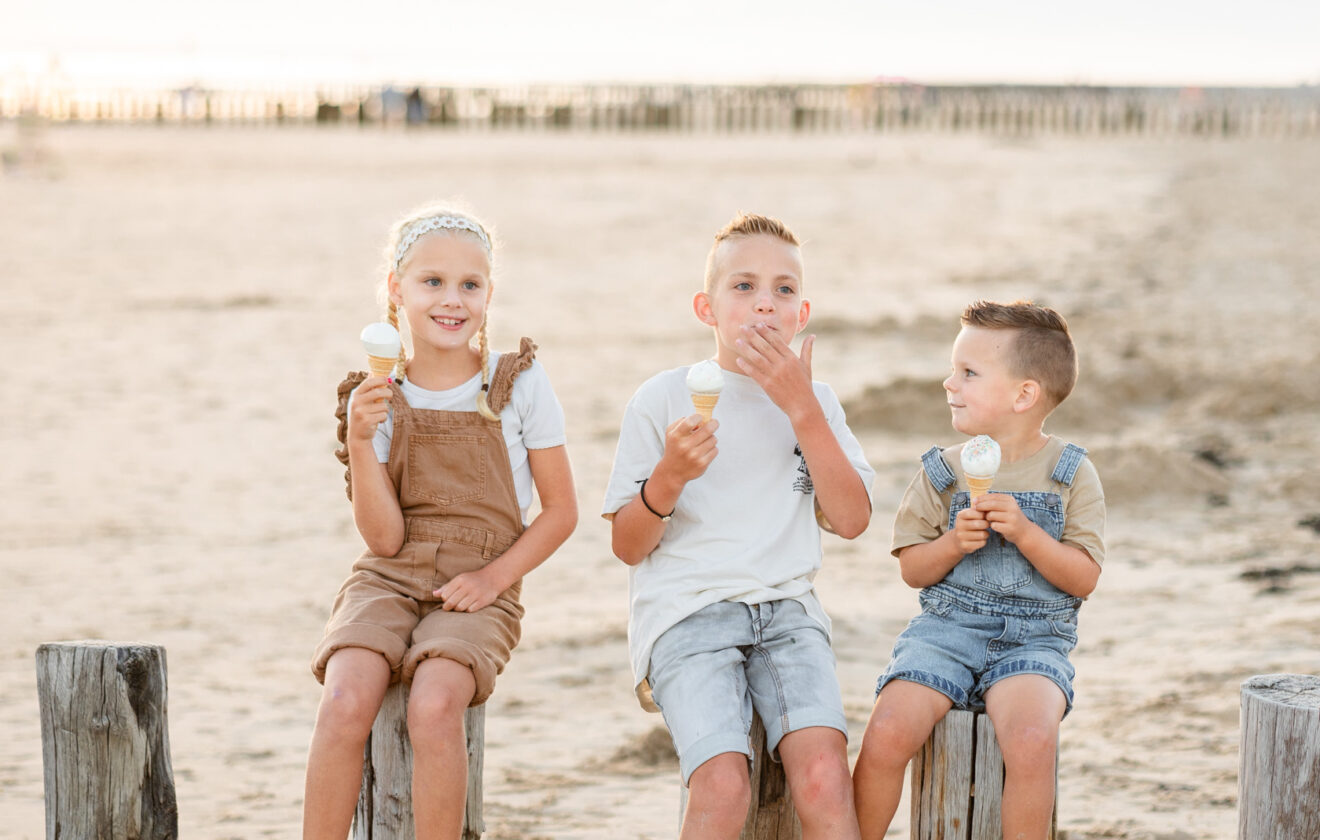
[1001, 579]
[723, 545]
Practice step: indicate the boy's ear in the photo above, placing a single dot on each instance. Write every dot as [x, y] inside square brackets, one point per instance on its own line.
[804, 315]
[702, 307]
[1028, 396]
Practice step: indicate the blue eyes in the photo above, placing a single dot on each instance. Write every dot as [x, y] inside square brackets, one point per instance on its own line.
[747, 287]
[467, 285]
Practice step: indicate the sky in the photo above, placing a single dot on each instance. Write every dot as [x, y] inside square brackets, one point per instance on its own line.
[255, 43]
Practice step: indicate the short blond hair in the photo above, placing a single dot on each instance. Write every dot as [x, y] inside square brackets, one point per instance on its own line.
[1042, 347]
[747, 224]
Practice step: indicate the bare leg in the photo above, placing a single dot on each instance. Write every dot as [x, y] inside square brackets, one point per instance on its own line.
[719, 793]
[1026, 711]
[901, 721]
[355, 683]
[440, 693]
[816, 764]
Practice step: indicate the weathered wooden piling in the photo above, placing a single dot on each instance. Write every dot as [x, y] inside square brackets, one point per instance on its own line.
[1279, 763]
[958, 782]
[384, 810]
[105, 742]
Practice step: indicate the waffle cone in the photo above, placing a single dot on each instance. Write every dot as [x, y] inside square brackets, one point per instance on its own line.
[978, 485]
[381, 365]
[705, 404]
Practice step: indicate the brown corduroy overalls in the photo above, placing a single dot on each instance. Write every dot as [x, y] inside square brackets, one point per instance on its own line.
[460, 511]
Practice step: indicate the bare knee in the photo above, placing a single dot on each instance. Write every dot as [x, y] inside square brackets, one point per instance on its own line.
[435, 716]
[1029, 747]
[822, 787]
[721, 790]
[347, 712]
[890, 740]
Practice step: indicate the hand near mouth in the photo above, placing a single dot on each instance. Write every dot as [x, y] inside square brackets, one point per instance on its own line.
[785, 376]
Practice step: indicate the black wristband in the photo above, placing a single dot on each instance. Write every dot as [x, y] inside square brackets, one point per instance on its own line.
[641, 494]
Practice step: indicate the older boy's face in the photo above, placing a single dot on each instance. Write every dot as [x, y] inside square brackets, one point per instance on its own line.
[982, 388]
[757, 281]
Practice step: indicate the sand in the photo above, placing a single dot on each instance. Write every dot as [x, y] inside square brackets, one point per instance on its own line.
[180, 303]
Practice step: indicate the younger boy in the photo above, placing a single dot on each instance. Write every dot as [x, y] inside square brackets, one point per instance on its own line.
[723, 545]
[1001, 579]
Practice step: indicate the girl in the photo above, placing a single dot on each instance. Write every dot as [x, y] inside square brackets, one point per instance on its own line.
[442, 458]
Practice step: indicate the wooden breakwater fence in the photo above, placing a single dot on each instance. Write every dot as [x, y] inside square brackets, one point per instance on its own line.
[879, 107]
[108, 775]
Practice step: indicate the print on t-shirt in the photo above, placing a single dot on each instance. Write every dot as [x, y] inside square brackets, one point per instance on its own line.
[802, 483]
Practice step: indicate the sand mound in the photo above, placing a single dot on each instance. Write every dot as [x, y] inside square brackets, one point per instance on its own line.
[643, 755]
[654, 749]
[904, 405]
[1267, 393]
[1136, 473]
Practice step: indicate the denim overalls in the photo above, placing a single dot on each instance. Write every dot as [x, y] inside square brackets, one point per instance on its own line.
[993, 615]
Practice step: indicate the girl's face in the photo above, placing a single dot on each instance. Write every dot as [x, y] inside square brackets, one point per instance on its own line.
[443, 287]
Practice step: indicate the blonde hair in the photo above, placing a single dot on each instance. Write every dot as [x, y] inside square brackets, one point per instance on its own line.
[747, 224]
[1042, 347]
[437, 218]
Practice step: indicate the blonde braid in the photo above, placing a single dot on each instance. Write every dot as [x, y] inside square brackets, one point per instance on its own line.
[483, 399]
[401, 369]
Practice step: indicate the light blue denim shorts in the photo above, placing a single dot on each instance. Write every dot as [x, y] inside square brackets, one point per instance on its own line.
[962, 652]
[709, 671]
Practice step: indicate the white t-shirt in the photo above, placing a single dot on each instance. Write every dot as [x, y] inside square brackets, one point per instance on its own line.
[743, 531]
[533, 419]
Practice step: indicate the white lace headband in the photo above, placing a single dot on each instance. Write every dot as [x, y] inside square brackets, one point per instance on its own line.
[438, 223]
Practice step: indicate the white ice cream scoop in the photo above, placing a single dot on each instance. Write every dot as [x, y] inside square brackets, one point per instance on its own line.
[705, 378]
[705, 381]
[980, 463]
[382, 343]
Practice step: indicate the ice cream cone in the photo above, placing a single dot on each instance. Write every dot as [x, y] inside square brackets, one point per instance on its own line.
[705, 404]
[978, 485]
[381, 365]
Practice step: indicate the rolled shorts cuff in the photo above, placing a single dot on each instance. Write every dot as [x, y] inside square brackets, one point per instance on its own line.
[949, 689]
[484, 670]
[369, 636]
[709, 747]
[1018, 667]
[776, 729]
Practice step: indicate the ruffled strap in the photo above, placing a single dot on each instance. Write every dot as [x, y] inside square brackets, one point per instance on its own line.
[510, 365]
[351, 381]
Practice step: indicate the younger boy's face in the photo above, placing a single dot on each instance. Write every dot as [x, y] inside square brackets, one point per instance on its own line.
[757, 281]
[982, 389]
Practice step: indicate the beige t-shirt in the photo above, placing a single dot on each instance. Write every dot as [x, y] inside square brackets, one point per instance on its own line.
[923, 514]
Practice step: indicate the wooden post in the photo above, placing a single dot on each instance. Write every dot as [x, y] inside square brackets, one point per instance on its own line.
[958, 782]
[770, 815]
[105, 742]
[384, 810]
[1279, 772]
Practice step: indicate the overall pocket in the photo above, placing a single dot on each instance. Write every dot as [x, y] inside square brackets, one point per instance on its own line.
[998, 566]
[447, 469]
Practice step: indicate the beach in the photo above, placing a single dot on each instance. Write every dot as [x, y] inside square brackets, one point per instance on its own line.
[180, 303]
